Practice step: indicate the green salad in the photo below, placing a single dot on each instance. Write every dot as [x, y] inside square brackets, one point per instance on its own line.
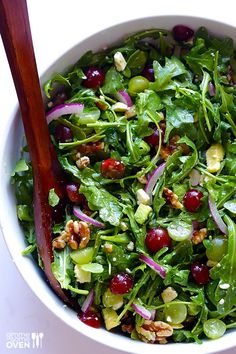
[144, 240]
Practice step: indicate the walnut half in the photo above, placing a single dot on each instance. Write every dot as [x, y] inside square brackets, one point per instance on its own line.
[154, 331]
[172, 198]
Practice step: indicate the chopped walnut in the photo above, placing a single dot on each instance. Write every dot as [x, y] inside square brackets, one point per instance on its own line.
[58, 243]
[91, 148]
[127, 323]
[167, 150]
[73, 242]
[199, 236]
[130, 112]
[127, 328]
[154, 331]
[84, 234]
[76, 235]
[172, 198]
[83, 162]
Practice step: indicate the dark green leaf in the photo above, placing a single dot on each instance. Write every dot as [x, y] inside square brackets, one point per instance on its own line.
[100, 199]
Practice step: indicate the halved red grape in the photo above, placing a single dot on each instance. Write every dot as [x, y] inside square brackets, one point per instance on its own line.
[90, 318]
[192, 200]
[200, 273]
[72, 190]
[94, 78]
[157, 238]
[153, 139]
[182, 33]
[112, 169]
[121, 283]
[63, 134]
[148, 72]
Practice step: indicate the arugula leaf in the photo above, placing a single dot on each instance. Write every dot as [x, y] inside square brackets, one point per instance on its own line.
[21, 166]
[199, 58]
[204, 88]
[137, 61]
[181, 253]
[138, 230]
[24, 212]
[53, 198]
[113, 82]
[100, 199]
[225, 272]
[58, 78]
[147, 102]
[177, 118]
[188, 165]
[62, 266]
[163, 75]
[224, 45]
[121, 259]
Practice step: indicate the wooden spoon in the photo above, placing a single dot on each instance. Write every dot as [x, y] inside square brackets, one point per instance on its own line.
[17, 40]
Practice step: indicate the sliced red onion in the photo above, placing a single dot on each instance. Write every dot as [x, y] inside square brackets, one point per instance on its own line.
[211, 89]
[88, 301]
[195, 177]
[153, 178]
[67, 108]
[124, 97]
[216, 216]
[152, 264]
[153, 315]
[142, 311]
[80, 215]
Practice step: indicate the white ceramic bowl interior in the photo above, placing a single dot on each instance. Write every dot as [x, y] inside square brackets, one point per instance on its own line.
[9, 153]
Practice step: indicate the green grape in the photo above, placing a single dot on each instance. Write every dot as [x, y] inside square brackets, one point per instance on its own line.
[112, 300]
[137, 84]
[82, 256]
[179, 230]
[217, 249]
[214, 328]
[175, 313]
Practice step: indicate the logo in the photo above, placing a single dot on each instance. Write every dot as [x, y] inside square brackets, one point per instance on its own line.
[24, 340]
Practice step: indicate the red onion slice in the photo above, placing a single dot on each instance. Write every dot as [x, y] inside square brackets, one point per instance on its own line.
[211, 89]
[216, 216]
[67, 108]
[142, 311]
[153, 178]
[88, 301]
[124, 97]
[80, 215]
[152, 264]
[153, 315]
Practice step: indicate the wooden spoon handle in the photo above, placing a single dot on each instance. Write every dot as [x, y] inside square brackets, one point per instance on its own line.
[17, 40]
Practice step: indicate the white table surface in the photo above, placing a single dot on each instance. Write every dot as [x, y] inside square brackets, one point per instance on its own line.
[57, 26]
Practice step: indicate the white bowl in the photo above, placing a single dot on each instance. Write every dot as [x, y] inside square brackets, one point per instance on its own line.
[9, 153]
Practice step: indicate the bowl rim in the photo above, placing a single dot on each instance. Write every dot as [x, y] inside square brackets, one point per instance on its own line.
[52, 302]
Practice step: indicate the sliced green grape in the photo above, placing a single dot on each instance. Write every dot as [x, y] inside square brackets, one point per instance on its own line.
[214, 328]
[175, 313]
[82, 256]
[217, 249]
[112, 300]
[92, 267]
[137, 84]
[179, 230]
